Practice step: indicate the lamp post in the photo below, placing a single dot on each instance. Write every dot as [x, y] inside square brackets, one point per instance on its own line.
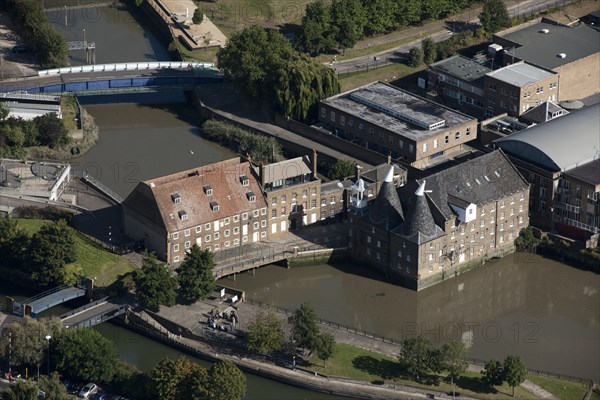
[48, 337]
[84, 37]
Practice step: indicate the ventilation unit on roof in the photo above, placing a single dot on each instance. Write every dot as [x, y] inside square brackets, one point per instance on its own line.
[544, 31]
[562, 55]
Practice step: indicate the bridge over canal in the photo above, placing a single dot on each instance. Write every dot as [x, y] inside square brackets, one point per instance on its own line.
[115, 78]
[94, 313]
[45, 300]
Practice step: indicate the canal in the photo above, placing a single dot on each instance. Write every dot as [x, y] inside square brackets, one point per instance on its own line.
[544, 311]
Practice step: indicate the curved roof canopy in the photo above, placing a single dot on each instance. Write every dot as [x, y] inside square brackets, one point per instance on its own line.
[561, 144]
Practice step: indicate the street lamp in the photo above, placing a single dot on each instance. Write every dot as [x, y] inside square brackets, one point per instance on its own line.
[84, 37]
[48, 337]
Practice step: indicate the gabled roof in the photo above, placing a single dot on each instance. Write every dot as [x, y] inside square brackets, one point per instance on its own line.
[558, 145]
[154, 198]
[479, 181]
[285, 169]
[544, 112]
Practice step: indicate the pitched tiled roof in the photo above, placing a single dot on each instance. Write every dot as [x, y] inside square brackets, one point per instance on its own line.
[479, 181]
[155, 198]
[419, 225]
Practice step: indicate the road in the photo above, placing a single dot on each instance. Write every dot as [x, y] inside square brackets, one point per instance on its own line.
[432, 30]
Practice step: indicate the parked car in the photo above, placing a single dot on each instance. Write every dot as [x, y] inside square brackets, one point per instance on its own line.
[87, 391]
[20, 49]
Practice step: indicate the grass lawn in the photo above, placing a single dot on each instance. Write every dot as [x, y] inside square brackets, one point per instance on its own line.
[563, 389]
[388, 73]
[352, 362]
[95, 262]
[69, 108]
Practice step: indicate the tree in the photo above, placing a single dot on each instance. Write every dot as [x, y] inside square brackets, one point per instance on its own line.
[526, 239]
[492, 373]
[155, 286]
[453, 355]
[51, 130]
[53, 387]
[21, 390]
[417, 355]
[169, 377]
[196, 280]
[514, 372]
[429, 50]
[325, 346]
[304, 326]
[415, 57]
[85, 355]
[265, 333]
[51, 249]
[14, 244]
[349, 19]
[3, 111]
[341, 169]
[381, 14]
[198, 16]
[226, 382]
[28, 343]
[494, 16]
[318, 34]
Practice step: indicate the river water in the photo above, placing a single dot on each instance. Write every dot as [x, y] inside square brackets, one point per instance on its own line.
[544, 311]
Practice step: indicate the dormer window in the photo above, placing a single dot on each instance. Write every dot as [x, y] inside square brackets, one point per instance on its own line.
[214, 206]
[251, 196]
[176, 198]
[208, 190]
[183, 215]
[245, 181]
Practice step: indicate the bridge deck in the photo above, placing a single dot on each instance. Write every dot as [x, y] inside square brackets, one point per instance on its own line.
[54, 299]
[93, 314]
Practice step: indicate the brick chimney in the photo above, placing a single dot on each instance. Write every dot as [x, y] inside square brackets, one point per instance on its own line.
[262, 175]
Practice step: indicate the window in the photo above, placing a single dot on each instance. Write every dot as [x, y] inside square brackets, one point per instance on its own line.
[501, 227]
[263, 234]
[255, 226]
[214, 206]
[323, 202]
[501, 203]
[176, 236]
[342, 120]
[183, 215]
[521, 208]
[521, 197]
[313, 191]
[245, 181]
[553, 85]
[176, 259]
[283, 198]
[323, 112]
[332, 199]
[527, 95]
[332, 116]
[273, 213]
[462, 230]
[369, 239]
[361, 126]
[236, 230]
[520, 219]
[227, 243]
[176, 198]
[255, 213]
[236, 242]
[187, 244]
[207, 238]
[198, 229]
[540, 89]
[472, 226]
[512, 211]
[187, 232]
[351, 122]
[304, 193]
[207, 227]
[313, 203]
[208, 190]
[263, 223]
[435, 143]
[176, 248]
[379, 243]
[446, 139]
[226, 233]
[274, 200]
[502, 215]
[482, 223]
[236, 218]
[294, 196]
[493, 87]
[411, 148]
[408, 257]
[216, 235]
[457, 135]
[263, 211]
[424, 147]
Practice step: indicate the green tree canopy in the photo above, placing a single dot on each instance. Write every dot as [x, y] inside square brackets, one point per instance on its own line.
[85, 355]
[52, 131]
[14, 244]
[198, 16]
[341, 169]
[318, 34]
[53, 387]
[419, 357]
[454, 353]
[51, 249]
[349, 19]
[21, 390]
[325, 346]
[196, 280]
[155, 285]
[305, 331]
[171, 378]
[415, 57]
[492, 373]
[226, 382]
[28, 343]
[265, 333]
[429, 48]
[494, 16]
[514, 372]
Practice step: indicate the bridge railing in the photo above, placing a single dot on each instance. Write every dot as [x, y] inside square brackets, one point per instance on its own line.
[44, 294]
[83, 308]
[128, 67]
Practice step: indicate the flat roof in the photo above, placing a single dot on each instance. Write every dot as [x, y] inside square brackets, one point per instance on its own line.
[542, 49]
[589, 172]
[397, 110]
[462, 67]
[520, 74]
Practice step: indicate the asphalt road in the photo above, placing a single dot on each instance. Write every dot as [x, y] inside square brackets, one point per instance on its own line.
[398, 53]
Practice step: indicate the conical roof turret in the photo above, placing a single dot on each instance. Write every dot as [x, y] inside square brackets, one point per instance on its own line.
[387, 209]
[419, 218]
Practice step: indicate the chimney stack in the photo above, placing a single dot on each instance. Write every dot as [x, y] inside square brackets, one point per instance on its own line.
[357, 169]
[314, 164]
[262, 175]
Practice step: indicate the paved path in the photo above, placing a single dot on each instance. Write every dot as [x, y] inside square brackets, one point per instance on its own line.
[537, 390]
